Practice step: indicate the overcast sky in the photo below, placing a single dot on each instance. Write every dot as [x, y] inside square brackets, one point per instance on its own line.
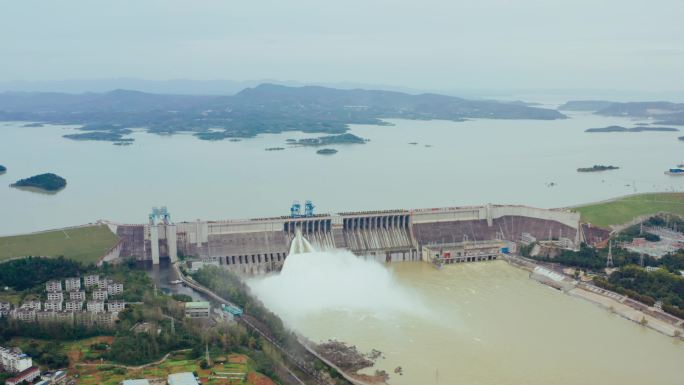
[423, 44]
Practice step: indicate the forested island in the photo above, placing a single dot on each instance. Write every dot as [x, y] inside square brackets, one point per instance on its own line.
[330, 139]
[46, 182]
[597, 167]
[105, 136]
[633, 129]
[3, 169]
[267, 108]
[326, 151]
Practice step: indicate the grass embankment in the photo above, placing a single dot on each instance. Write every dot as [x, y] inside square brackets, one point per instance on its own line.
[623, 210]
[82, 244]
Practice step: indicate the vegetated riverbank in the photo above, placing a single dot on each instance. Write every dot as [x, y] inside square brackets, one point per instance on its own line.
[3, 169]
[616, 303]
[225, 286]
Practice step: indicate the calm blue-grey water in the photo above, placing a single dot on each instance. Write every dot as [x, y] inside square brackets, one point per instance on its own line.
[474, 162]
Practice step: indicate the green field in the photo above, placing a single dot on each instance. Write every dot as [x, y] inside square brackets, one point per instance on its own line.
[82, 244]
[622, 210]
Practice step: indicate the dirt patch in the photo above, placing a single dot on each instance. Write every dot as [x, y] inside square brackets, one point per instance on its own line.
[237, 359]
[254, 378]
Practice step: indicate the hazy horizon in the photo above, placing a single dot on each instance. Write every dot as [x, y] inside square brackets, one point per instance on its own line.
[494, 45]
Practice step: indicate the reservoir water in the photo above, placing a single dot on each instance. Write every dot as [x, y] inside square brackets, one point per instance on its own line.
[473, 162]
[472, 324]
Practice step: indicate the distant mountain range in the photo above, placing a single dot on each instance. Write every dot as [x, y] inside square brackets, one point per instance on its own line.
[660, 112]
[261, 109]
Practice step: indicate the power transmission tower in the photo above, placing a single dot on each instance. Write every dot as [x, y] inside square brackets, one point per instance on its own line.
[641, 259]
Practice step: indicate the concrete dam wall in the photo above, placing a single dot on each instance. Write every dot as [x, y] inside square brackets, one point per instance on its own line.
[262, 244]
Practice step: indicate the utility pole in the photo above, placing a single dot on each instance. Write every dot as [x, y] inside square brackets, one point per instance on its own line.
[609, 260]
[641, 259]
[206, 354]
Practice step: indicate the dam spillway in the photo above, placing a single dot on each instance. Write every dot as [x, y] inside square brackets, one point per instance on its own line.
[260, 245]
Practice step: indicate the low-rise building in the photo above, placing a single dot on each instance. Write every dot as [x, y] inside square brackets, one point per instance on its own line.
[83, 318]
[53, 306]
[31, 305]
[64, 316]
[72, 284]
[116, 306]
[197, 265]
[52, 286]
[58, 377]
[103, 283]
[91, 280]
[115, 288]
[77, 296]
[45, 316]
[74, 305]
[55, 296]
[5, 308]
[200, 309]
[104, 319]
[95, 306]
[26, 315]
[26, 376]
[135, 382]
[13, 361]
[100, 295]
[186, 378]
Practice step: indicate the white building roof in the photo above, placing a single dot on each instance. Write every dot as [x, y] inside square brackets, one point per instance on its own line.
[186, 378]
[135, 382]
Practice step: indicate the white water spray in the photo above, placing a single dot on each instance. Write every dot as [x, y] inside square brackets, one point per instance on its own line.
[314, 282]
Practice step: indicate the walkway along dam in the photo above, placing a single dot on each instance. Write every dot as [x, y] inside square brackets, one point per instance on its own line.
[259, 245]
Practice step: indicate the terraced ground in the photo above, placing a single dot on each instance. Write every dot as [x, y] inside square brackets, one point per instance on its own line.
[623, 210]
[230, 369]
[83, 244]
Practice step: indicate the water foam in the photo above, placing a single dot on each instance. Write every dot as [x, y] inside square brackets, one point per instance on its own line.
[334, 281]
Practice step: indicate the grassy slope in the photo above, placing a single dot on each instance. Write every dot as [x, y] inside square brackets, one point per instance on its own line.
[83, 244]
[625, 209]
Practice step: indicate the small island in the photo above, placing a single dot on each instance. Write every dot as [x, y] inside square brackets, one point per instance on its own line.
[33, 125]
[326, 151]
[597, 167]
[681, 138]
[2, 169]
[45, 182]
[331, 139]
[634, 129]
[275, 149]
[100, 136]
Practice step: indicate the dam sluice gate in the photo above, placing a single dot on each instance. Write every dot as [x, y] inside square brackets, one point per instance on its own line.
[260, 245]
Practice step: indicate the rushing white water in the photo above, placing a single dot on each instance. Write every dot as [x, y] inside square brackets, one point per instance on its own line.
[313, 282]
[300, 244]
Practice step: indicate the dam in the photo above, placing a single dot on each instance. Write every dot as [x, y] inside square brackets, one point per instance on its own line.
[260, 245]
